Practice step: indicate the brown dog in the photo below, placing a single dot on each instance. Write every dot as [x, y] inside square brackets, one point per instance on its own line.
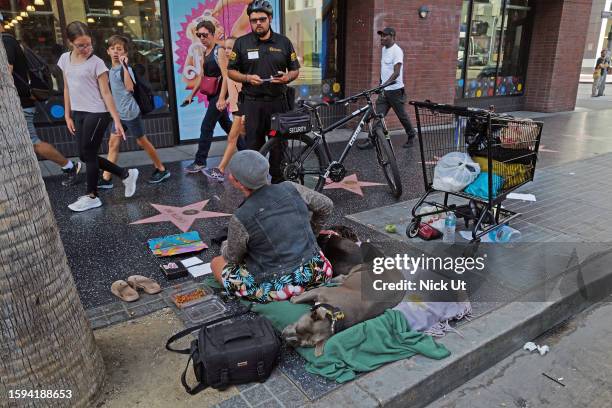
[339, 307]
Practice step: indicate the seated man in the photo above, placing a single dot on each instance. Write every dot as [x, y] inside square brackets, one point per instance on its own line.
[271, 252]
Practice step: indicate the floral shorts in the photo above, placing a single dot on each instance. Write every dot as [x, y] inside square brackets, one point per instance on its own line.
[239, 282]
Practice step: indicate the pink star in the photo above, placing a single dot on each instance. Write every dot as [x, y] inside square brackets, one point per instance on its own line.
[350, 183]
[182, 217]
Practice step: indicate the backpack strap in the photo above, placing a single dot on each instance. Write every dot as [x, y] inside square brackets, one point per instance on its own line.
[189, 330]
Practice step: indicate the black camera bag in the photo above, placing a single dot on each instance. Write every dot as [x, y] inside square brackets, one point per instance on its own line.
[234, 353]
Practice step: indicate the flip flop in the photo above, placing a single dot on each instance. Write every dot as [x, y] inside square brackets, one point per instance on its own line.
[124, 291]
[141, 282]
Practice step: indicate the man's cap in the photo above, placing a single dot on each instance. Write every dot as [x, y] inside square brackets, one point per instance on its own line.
[387, 31]
[250, 168]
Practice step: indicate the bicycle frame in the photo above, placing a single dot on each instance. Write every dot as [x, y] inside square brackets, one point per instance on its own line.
[367, 113]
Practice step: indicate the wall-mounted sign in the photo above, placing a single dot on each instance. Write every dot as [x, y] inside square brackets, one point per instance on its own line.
[606, 14]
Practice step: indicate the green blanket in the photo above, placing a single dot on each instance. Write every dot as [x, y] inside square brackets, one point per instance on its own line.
[361, 348]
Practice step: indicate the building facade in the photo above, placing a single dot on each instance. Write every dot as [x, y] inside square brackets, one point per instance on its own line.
[513, 54]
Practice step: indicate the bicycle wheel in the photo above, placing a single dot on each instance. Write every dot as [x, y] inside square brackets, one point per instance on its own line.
[386, 159]
[302, 160]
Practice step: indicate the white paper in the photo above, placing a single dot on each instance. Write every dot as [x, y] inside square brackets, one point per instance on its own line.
[194, 260]
[521, 196]
[200, 270]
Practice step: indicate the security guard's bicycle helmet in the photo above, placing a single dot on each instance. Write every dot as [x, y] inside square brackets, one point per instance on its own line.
[262, 6]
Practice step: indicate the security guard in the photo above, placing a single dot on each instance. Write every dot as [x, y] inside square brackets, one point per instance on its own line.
[265, 62]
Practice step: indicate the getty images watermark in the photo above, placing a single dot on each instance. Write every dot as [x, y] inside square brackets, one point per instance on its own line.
[410, 265]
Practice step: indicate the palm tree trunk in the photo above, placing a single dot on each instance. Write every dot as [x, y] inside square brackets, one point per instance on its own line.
[46, 342]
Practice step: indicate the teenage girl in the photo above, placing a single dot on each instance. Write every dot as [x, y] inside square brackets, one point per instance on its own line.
[89, 108]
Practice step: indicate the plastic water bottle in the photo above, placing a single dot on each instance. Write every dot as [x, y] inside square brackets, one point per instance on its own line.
[449, 228]
[504, 234]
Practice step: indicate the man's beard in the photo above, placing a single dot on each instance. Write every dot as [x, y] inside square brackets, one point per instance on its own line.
[263, 34]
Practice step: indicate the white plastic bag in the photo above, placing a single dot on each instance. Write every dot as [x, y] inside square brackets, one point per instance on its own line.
[454, 171]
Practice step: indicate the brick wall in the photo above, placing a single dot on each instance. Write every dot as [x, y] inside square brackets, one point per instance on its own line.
[430, 47]
[555, 55]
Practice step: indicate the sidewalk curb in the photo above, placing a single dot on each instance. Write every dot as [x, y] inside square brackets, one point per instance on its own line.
[418, 381]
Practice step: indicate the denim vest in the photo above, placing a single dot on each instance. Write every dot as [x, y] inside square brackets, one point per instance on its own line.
[280, 236]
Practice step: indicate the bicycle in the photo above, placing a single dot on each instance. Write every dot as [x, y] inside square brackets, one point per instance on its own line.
[306, 157]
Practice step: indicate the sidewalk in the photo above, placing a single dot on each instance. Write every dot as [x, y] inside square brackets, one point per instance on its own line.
[571, 207]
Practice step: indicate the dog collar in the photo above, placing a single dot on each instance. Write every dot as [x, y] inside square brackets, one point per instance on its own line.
[335, 315]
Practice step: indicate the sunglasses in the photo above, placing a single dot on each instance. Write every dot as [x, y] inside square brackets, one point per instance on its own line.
[82, 46]
[258, 20]
[202, 35]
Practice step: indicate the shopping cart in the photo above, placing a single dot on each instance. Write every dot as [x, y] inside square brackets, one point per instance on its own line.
[507, 145]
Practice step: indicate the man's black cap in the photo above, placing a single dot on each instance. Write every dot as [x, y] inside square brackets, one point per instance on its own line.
[387, 31]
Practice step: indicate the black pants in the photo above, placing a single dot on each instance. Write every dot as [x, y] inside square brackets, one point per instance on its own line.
[395, 99]
[90, 130]
[257, 115]
[212, 116]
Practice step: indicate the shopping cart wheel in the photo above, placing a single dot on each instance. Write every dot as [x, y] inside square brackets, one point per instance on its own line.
[412, 230]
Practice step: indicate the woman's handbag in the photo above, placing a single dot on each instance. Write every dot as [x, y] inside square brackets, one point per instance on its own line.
[234, 353]
[597, 74]
[210, 85]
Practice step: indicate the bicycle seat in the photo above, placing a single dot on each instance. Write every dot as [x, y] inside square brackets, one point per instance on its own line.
[315, 104]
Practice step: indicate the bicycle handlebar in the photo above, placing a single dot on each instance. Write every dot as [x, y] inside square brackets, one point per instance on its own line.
[367, 92]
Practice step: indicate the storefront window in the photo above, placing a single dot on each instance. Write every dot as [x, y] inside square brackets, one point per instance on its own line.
[313, 27]
[493, 47]
[39, 25]
[514, 49]
[140, 21]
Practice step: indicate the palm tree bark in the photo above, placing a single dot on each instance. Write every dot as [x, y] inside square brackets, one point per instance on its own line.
[46, 342]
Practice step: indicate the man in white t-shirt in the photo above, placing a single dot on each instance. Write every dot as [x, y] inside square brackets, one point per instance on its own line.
[394, 96]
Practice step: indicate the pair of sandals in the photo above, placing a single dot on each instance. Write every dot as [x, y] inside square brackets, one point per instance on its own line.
[128, 291]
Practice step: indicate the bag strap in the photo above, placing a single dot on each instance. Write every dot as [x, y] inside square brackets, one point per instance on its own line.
[189, 330]
[201, 386]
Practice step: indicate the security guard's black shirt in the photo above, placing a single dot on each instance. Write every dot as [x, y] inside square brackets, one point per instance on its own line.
[253, 56]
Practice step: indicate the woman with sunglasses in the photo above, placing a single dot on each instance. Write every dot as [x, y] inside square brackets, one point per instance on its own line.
[89, 108]
[205, 30]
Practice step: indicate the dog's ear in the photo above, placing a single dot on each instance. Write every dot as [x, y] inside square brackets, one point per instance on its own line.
[369, 252]
[319, 346]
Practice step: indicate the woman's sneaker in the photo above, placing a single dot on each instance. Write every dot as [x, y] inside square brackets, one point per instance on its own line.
[85, 203]
[214, 174]
[159, 176]
[130, 182]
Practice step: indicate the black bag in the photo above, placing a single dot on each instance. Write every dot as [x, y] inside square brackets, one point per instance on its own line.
[291, 123]
[143, 94]
[236, 353]
[41, 81]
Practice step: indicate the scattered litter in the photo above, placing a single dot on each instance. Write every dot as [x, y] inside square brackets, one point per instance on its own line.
[521, 196]
[572, 174]
[391, 228]
[530, 346]
[553, 379]
[560, 379]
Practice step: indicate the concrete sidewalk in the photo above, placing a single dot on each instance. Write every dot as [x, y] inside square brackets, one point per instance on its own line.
[523, 294]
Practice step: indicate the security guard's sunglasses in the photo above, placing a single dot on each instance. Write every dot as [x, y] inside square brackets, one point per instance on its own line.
[256, 20]
[202, 35]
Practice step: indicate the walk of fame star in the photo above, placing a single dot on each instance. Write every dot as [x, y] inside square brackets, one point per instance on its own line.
[182, 217]
[350, 183]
